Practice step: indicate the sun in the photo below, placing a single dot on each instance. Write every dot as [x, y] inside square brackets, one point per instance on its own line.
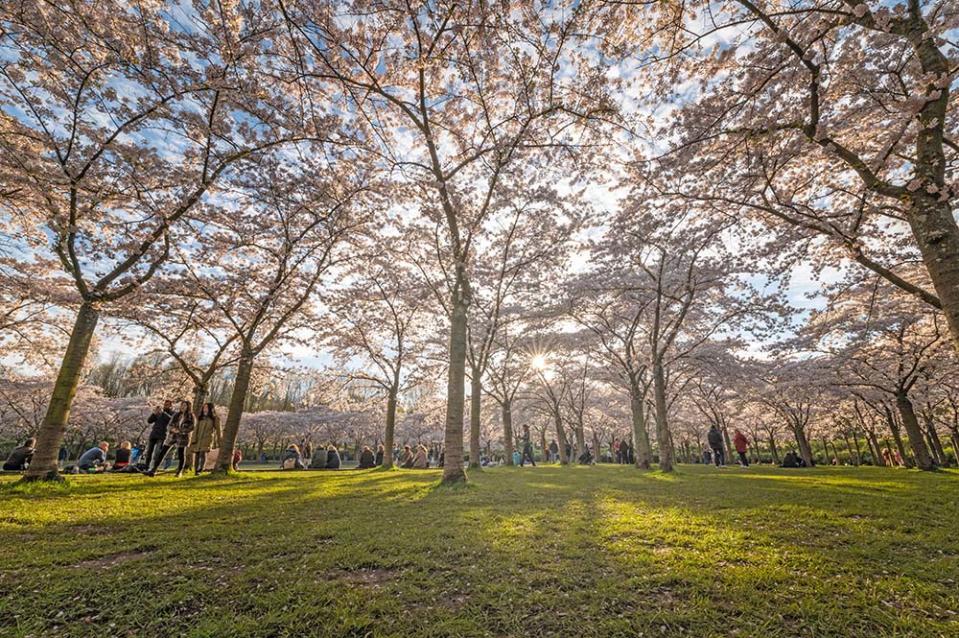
[538, 362]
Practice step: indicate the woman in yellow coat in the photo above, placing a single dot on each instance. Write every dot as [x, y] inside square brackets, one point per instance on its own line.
[207, 435]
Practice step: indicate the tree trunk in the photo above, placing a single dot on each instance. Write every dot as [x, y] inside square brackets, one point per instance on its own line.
[934, 227]
[560, 436]
[50, 435]
[914, 432]
[508, 431]
[805, 450]
[231, 429]
[388, 435]
[875, 450]
[934, 442]
[773, 452]
[662, 424]
[896, 436]
[476, 395]
[453, 471]
[643, 455]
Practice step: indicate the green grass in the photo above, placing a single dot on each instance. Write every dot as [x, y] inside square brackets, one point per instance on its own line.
[602, 551]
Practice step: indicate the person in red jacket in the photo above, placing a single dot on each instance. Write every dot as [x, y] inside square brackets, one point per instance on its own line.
[741, 443]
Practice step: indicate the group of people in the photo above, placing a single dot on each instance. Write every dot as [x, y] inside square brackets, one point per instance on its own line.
[716, 453]
[328, 457]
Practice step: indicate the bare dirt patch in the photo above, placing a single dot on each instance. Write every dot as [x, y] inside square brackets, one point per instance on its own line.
[112, 560]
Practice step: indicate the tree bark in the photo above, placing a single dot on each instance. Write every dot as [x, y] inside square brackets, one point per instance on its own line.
[50, 435]
[231, 428]
[914, 432]
[476, 394]
[935, 443]
[560, 436]
[774, 453]
[642, 453]
[453, 471]
[390, 431]
[805, 450]
[507, 409]
[897, 436]
[662, 424]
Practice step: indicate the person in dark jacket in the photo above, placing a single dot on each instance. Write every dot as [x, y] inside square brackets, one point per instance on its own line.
[624, 451]
[378, 458]
[20, 457]
[715, 439]
[332, 458]
[367, 460]
[791, 459]
[160, 420]
[179, 431]
[123, 456]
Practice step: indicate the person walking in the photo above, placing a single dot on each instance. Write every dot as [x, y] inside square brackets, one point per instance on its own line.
[179, 432]
[206, 437]
[741, 443]
[160, 420]
[527, 449]
[715, 439]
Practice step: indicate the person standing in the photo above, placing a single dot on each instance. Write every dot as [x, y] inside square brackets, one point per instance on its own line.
[624, 452]
[527, 449]
[207, 435]
[553, 451]
[741, 443]
[180, 430]
[715, 439]
[160, 420]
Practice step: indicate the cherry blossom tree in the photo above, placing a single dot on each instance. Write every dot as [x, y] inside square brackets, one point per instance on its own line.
[462, 100]
[118, 122]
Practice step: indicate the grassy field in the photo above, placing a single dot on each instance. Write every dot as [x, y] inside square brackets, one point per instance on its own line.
[602, 551]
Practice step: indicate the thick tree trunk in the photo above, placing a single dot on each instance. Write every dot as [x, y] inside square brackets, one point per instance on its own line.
[805, 450]
[662, 423]
[937, 235]
[50, 435]
[914, 432]
[231, 428]
[507, 409]
[453, 471]
[476, 396]
[389, 434]
[642, 453]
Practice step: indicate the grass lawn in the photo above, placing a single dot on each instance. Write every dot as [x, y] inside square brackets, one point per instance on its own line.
[601, 551]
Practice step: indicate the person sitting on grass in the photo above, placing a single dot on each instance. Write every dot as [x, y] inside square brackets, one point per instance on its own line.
[94, 459]
[237, 459]
[20, 457]
[420, 459]
[406, 462]
[332, 458]
[378, 459]
[291, 459]
[123, 456]
[791, 459]
[367, 460]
